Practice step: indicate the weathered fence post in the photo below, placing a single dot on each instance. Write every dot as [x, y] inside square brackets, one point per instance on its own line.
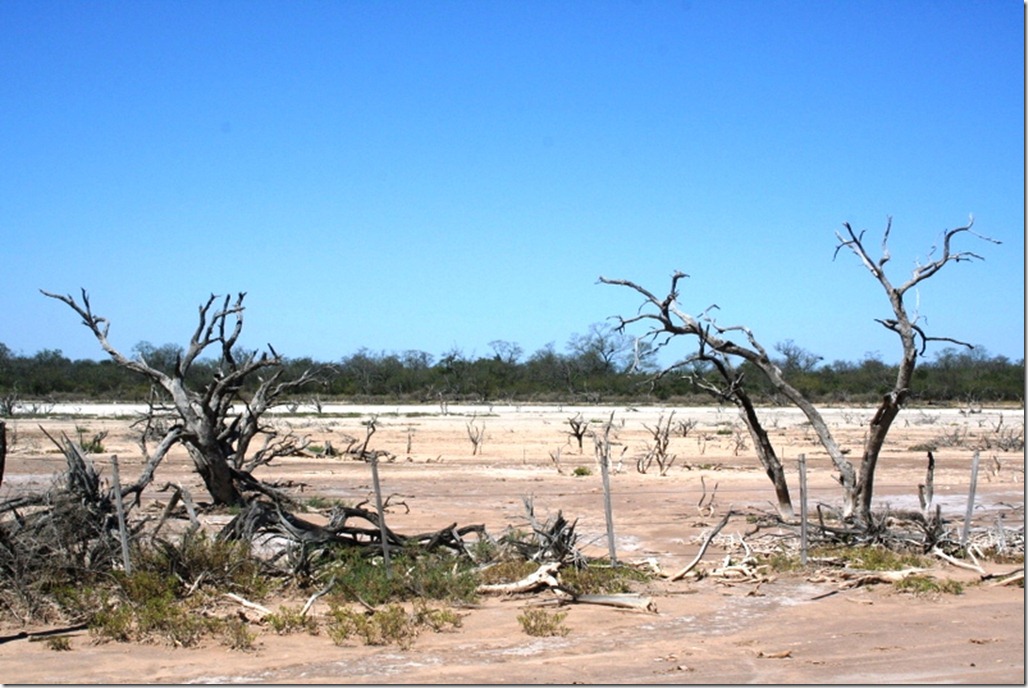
[802, 460]
[3, 449]
[970, 501]
[381, 515]
[122, 529]
[603, 451]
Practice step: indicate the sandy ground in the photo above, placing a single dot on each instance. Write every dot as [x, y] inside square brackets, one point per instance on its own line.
[704, 631]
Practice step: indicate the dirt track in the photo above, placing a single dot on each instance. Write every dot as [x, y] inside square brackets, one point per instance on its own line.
[705, 630]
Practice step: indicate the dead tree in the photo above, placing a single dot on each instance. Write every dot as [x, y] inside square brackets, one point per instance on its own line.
[667, 318]
[911, 335]
[476, 433]
[217, 423]
[658, 451]
[579, 427]
[715, 348]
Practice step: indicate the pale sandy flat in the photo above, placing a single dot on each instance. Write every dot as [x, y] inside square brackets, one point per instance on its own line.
[705, 631]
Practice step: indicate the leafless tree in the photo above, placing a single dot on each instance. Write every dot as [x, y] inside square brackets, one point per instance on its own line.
[905, 325]
[658, 451]
[716, 349]
[716, 344]
[579, 427]
[476, 433]
[218, 423]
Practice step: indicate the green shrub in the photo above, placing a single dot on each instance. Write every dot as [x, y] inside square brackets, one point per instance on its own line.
[385, 626]
[506, 572]
[237, 635]
[927, 586]
[431, 575]
[291, 620]
[871, 557]
[602, 579]
[541, 623]
[225, 565]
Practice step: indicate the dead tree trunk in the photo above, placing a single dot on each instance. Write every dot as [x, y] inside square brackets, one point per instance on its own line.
[734, 391]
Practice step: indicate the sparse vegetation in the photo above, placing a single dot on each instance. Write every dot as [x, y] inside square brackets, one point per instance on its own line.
[928, 586]
[289, 619]
[541, 623]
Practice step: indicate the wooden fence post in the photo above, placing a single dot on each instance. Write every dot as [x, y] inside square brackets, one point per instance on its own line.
[122, 529]
[603, 450]
[802, 460]
[3, 449]
[381, 515]
[970, 501]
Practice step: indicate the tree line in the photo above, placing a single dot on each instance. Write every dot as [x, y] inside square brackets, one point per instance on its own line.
[597, 367]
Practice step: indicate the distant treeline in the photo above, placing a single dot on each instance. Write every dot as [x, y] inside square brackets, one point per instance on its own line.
[595, 368]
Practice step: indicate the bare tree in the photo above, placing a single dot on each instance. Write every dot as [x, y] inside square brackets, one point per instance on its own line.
[911, 335]
[715, 348]
[217, 423]
[579, 427]
[668, 320]
[476, 433]
[658, 451]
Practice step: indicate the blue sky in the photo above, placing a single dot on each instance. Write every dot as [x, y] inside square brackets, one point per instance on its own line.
[439, 175]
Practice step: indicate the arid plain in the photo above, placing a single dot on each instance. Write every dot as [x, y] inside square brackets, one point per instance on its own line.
[796, 627]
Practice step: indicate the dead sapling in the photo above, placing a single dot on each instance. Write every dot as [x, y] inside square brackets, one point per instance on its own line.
[555, 457]
[739, 439]
[658, 450]
[710, 507]
[476, 433]
[684, 427]
[579, 428]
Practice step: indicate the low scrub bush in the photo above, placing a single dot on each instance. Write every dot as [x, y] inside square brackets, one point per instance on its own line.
[927, 586]
[602, 579]
[541, 623]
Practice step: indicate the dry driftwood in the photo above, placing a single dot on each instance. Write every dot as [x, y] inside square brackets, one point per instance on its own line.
[703, 548]
[956, 562]
[626, 601]
[264, 611]
[544, 576]
[857, 578]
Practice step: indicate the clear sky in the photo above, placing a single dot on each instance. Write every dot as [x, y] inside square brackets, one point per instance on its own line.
[438, 175]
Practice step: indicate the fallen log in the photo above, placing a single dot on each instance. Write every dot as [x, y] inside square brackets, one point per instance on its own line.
[628, 601]
[1009, 580]
[29, 635]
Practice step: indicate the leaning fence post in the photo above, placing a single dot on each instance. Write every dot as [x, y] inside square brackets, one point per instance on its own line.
[970, 501]
[381, 515]
[802, 460]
